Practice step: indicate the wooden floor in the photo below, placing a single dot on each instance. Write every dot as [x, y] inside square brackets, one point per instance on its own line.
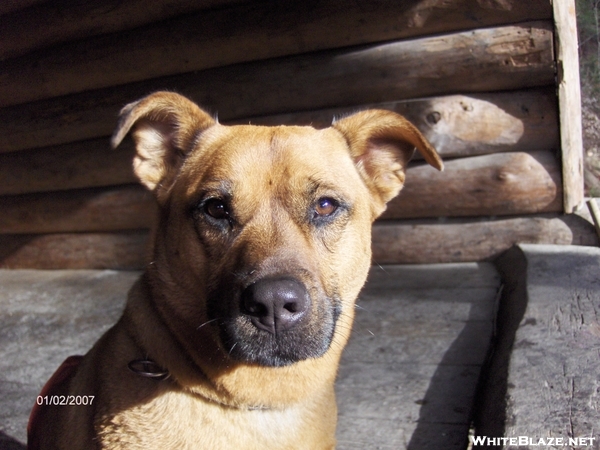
[408, 376]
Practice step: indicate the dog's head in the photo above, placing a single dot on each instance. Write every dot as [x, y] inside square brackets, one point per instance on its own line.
[264, 239]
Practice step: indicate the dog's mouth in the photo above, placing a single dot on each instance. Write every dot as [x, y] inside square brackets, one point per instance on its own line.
[274, 322]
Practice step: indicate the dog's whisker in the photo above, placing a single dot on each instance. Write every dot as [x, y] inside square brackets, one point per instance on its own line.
[232, 347]
[206, 323]
[382, 268]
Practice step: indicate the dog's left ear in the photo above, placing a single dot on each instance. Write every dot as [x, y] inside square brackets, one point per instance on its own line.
[381, 144]
[165, 126]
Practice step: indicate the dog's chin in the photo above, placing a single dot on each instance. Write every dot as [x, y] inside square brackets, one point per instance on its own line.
[245, 343]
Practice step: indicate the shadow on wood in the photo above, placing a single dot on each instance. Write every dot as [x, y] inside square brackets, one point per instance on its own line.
[440, 392]
[8, 443]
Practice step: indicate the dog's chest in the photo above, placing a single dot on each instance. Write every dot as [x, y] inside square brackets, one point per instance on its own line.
[179, 420]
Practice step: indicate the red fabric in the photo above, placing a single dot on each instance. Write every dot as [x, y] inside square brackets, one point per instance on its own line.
[66, 370]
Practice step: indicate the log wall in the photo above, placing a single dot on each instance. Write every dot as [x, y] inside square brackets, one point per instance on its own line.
[478, 78]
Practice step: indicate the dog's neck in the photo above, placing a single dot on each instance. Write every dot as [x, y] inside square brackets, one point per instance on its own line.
[157, 345]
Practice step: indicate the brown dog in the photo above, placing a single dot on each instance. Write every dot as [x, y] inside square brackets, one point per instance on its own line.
[232, 337]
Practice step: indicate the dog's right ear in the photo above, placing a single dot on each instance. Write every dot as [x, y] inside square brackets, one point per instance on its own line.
[165, 126]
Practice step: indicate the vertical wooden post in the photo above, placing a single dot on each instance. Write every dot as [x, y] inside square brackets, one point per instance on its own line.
[569, 97]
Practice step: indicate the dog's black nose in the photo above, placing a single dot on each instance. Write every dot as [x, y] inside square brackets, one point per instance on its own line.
[275, 304]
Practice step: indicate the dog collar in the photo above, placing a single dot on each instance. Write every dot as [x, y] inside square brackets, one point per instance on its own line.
[148, 369]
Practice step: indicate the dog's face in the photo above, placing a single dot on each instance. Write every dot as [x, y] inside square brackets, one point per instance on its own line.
[264, 239]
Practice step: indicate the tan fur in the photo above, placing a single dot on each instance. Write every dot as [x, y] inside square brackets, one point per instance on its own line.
[273, 175]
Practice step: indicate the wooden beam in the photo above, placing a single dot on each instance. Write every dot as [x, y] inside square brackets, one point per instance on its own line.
[258, 30]
[458, 125]
[497, 184]
[70, 166]
[569, 95]
[407, 242]
[51, 23]
[9, 6]
[483, 60]
[462, 240]
[108, 209]
[461, 125]
[541, 380]
[119, 251]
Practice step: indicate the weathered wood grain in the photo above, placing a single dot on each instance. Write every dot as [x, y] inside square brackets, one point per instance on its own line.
[125, 250]
[542, 381]
[70, 166]
[48, 315]
[505, 58]
[51, 23]
[569, 96]
[9, 6]
[407, 242]
[460, 240]
[497, 184]
[458, 125]
[251, 32]
[461, 125]
[110, 209]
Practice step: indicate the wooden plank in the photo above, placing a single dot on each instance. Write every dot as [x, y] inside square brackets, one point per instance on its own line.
[417, 276]
[406, 242]
[70, 166]
[461, 240]
[497, 184]
[54, 314]
[251, 32]
[8, 6]
[49, 23]
[48, 315]
[542, 381]
[511, 57]
[117, 208]
[459, 125]
[403, 395]
[119, 251]
[569, 96]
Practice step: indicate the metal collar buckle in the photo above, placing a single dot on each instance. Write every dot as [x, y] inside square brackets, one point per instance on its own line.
[148, 369]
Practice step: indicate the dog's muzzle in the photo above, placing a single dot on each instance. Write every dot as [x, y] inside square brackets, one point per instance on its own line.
[273, 321]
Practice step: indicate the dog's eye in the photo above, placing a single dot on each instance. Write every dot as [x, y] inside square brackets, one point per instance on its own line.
[325, 207]
[216, 209]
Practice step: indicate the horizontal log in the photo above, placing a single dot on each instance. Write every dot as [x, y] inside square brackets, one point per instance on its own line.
[9, 6]
[118, 251]
[413, 242]
[49, 24]
[498, 184]
[511, 57]
[461, 240]
[70, 166]
[214, 39]
[116, 208]
[459, 125]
